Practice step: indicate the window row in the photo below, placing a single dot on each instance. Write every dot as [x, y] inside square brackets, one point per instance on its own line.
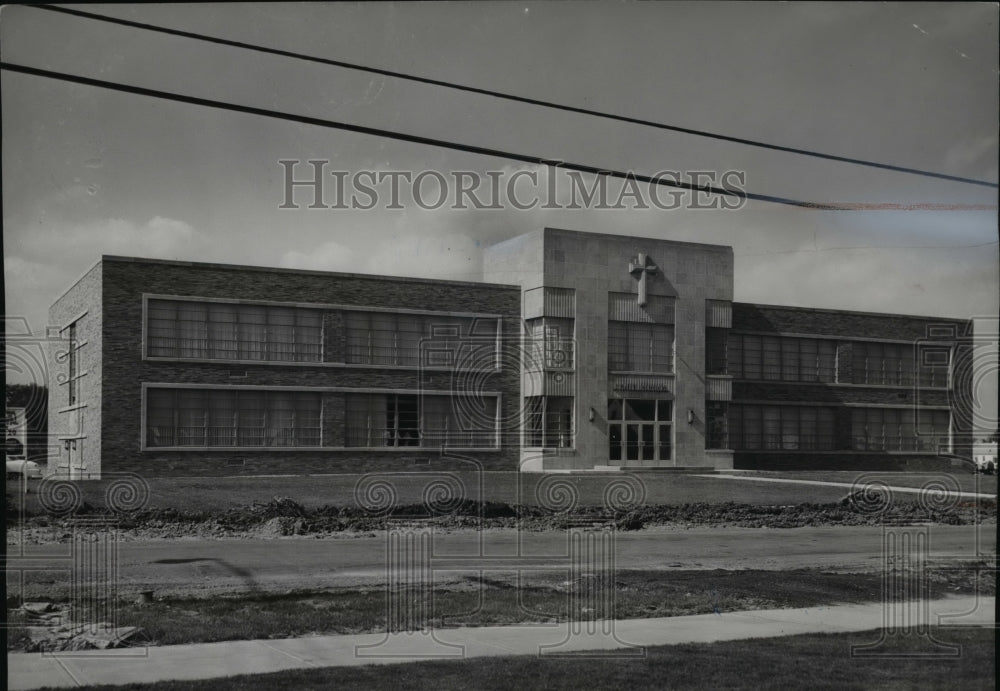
[228, 331]
[807, 428]
[785, 428]
[400, 420]
[640, 347]
[895, 364]
[894, 429]
[385, 338]
[778, 358]
[232, 418]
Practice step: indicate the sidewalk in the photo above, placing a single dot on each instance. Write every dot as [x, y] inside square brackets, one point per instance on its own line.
[208, 660]
[847, 485]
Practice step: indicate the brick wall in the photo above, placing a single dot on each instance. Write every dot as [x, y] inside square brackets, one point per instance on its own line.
[846, 326]
[125, 281]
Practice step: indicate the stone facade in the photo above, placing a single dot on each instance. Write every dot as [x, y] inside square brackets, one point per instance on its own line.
[594, 265]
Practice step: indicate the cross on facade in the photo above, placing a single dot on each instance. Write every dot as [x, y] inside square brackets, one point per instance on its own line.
[641, 267]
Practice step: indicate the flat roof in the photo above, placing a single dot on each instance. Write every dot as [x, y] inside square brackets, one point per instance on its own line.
[828, 310]
[307, 272]
[588, 234]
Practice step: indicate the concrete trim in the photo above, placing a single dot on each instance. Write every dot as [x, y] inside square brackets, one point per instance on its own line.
[320, 306]
[71, 408]
[835, 404]
[73, 321]
[285, 363]
[832, 337]
[77, 281]
[76, 377]
[315, 389]
[893, 387]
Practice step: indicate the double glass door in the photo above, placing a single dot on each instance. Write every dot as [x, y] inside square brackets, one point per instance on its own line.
[639, 431]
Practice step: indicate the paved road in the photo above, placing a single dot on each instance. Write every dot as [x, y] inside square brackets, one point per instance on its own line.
[212, 565]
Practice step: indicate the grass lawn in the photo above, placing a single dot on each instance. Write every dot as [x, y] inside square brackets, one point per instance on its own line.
[817, 661]
[500, 600]
[216, 494]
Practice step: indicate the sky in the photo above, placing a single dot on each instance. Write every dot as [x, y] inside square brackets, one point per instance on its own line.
[89, 172]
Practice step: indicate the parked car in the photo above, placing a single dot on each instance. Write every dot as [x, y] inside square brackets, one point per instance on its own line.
[28, 469]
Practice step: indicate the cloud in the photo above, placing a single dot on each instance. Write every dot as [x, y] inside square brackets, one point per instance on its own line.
[77, 243]
[976, 156]
[330, 256]
[43, 260]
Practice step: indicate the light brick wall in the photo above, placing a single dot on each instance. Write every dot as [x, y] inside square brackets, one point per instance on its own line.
[83, 421]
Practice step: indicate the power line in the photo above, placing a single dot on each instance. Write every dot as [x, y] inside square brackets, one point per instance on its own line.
[413, 138]
[514, 97]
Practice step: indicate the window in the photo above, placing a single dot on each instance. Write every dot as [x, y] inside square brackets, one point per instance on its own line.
[639, 430]
[717, 417]
[548, 421]
[386, 338]
[894, 364]
[73, 382]
[780, 428]
[894, 429]
[230, 331]
[640, 347]
[716, 359]
[779, 358]
[551, 343]
[231, 418]
[403, 420]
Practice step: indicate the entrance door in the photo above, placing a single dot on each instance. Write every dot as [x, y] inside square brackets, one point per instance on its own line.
[639, 432]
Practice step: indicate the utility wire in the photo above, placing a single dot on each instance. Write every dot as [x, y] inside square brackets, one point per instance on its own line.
[413, 138]
[514, 97]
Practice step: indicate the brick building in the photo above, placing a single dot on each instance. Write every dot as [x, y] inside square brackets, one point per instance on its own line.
[577, 351]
